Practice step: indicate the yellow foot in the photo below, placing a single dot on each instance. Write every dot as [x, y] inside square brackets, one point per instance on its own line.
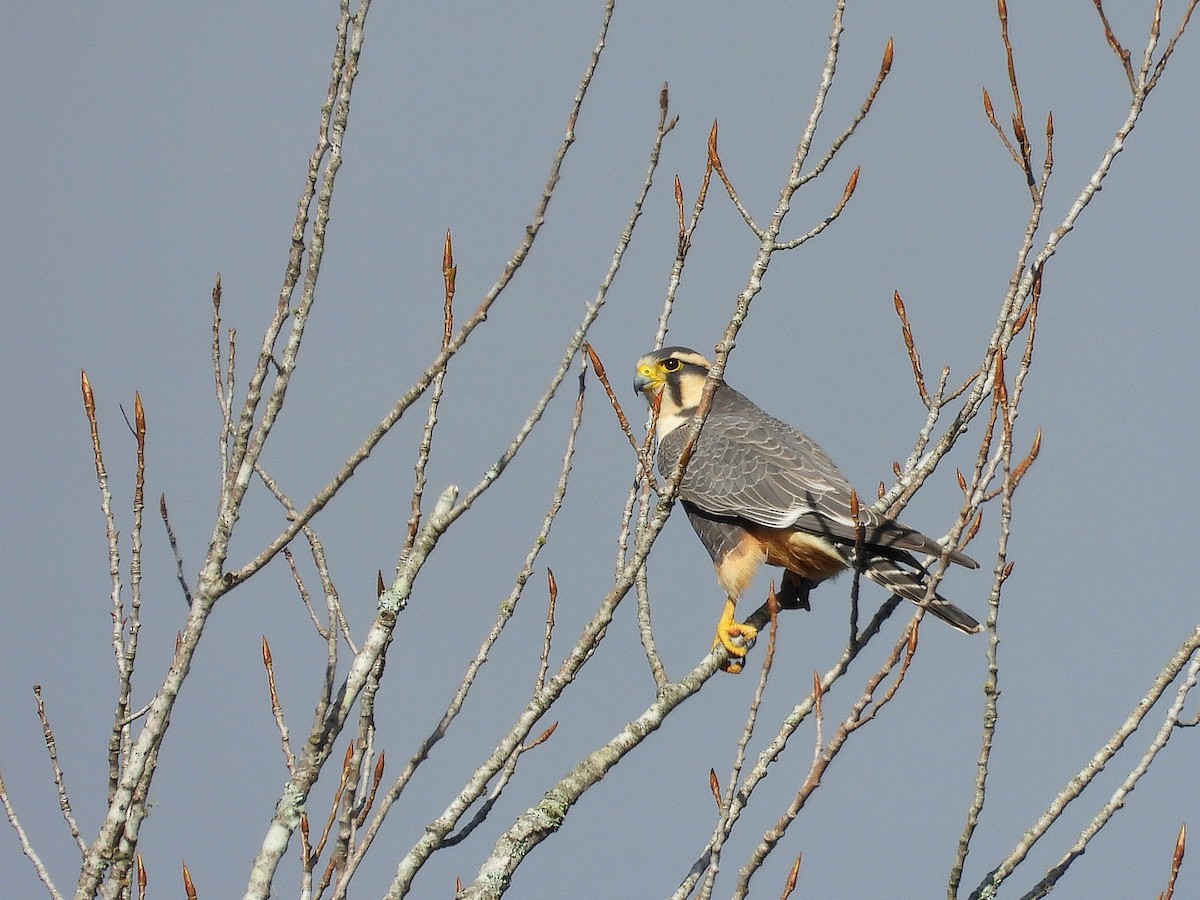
[727, 630]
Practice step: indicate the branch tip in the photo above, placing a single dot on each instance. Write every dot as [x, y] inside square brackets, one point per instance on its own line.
[89, 399]
[910, 346]
[850, 186]
[622, 420]
[1176, 862]
[379, 766]
[139, 419]
[679, 212]
[1023, 466]
[794, 874]
[974, 529]
[542, 738]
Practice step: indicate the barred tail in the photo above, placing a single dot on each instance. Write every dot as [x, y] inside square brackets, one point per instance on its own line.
[909, 585]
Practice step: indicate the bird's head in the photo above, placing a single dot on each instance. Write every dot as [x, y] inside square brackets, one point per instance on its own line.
[677, 374]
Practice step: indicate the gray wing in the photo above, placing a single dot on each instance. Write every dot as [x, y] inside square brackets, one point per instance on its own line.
[748, 464]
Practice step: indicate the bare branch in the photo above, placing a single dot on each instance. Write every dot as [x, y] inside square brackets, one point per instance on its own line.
[1189, 652]
[1176, 863]
[642, 456]
[1121, 52]
[793, 877]
[724, 803]
[1162, 60]
[162, 509]
[64, 801]
[277, 707]
[913, 357]
[43, 873]
[715, 165]
[861, 713]
[449, 277]
[544, 667]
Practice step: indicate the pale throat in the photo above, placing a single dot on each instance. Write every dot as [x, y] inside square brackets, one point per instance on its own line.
[668, 421]
[678, 406]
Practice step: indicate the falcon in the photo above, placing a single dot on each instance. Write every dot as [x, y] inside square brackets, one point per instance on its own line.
[757, 490]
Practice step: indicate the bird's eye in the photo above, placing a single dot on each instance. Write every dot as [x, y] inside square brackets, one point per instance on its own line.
[671, 365]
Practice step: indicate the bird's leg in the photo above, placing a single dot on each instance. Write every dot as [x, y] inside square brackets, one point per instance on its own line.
[728, 629]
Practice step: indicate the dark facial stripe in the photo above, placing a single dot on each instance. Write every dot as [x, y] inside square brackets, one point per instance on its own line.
[676, 390]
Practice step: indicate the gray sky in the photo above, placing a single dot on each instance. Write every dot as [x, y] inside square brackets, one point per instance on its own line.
[152, 145]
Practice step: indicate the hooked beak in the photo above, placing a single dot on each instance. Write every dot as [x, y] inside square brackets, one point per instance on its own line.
[645, 382]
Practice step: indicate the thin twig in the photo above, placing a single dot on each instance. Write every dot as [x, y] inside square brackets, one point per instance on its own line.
[114, 572]
[885, 68]
[347, 759]
[376, 780]
[337, 616]
[277, 707]
[1117, 801]
[439, 364]
[424, 448]
[788, 727]
[1118, 49]
[1076, 785]
[111, 855]
[544, 664]
[597, 627]
[1176, 863]
[910, 345]
[223, 381]
[179, 574]
[507, 608]
[60, 784]
[724, 826]
[642, 456]
[861, 713]
[715, 165]
[1162, 60]
[834, 215]
[658, 671]
[305, 596]
[43, 873]
[793, 876]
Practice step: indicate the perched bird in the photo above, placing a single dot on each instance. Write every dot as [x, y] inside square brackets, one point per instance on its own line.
[757, 490]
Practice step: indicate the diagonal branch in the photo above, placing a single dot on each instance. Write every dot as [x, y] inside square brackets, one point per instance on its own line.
[1165, 678]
